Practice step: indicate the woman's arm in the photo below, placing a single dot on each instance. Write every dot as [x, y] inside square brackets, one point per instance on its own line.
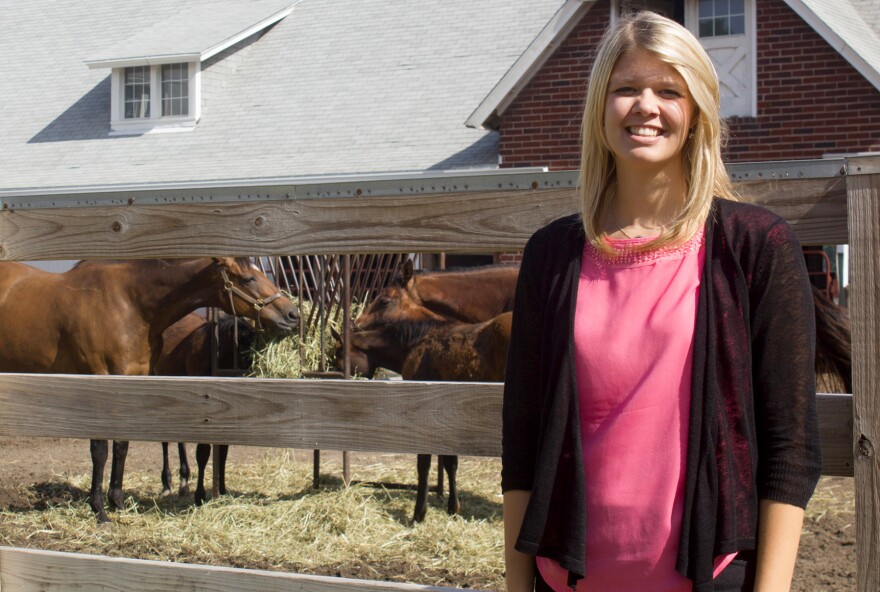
[779, 531]
[519, 567]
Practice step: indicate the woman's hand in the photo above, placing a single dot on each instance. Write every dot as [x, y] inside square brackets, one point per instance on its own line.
[519, 567]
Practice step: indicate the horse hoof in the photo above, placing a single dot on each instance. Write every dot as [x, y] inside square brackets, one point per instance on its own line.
[199, 499]
[419, 517]
[182, 491]
[103, 518]
[115, 500]
[165, 493]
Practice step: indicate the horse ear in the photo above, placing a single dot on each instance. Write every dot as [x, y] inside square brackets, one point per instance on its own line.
[223, 261]
[406, 273]
[335, 334]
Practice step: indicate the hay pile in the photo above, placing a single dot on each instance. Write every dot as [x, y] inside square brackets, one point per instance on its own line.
[291, 356]
[273, 519]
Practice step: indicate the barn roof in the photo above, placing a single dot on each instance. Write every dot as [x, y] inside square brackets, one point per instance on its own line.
[195, 32]
[852, 27]
[335, 88]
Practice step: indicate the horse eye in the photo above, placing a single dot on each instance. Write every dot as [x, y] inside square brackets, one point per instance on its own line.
[250, 279]
[384, 301]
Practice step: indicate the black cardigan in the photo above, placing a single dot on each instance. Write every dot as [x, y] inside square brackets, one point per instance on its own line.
[753, 431]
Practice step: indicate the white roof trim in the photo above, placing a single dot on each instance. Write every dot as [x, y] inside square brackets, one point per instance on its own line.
[270, 20]
[148, 60]
[836, 41]
[171, 58]
[528, 64]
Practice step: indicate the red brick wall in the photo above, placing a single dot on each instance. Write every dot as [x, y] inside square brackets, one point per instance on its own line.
[542, 126]
[811, 101]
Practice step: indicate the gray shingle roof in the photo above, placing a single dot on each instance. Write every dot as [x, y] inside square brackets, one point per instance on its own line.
[193, 30]
[856, 23]
[338, 87]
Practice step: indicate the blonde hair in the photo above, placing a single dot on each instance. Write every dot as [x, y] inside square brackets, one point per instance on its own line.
[705, 175]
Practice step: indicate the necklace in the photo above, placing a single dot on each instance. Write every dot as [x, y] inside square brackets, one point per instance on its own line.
[620, 227]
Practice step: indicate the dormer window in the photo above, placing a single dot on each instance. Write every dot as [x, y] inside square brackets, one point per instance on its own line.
[155, 79]
[151, 98]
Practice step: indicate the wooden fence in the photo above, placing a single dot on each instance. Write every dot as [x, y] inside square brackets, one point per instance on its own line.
[827, 202]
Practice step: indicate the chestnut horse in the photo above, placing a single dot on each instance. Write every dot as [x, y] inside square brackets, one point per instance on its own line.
[439, 351]
[107, 317]
[470, 296]
[187, 351]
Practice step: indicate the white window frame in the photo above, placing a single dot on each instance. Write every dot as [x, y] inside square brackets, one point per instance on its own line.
[691, 11]
[156, 122]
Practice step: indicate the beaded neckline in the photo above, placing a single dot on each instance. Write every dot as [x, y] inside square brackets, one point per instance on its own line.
[627, 255]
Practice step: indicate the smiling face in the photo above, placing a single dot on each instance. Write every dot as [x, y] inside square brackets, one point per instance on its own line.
[648, 113]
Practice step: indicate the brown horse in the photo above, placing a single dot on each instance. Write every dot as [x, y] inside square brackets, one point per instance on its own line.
[433, 350]
[108, 318]
[469, 296]
[483, 293]
[187, 351]
[833, 345]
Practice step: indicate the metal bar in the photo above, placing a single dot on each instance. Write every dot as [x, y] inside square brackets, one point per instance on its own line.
[346, 342]
[283, 189]
[300, 188]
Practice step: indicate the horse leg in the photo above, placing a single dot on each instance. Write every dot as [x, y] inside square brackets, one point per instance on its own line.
[117, 470]
[98, 449]
[424, 467]
[222, 453]
[203, 453]
[440, 476]
[166, 471]
[450, 464]
[184, 470]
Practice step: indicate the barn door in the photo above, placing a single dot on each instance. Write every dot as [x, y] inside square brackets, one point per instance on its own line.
[726, 28]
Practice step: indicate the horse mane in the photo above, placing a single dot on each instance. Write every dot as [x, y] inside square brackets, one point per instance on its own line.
[410, 332]
[833, 339]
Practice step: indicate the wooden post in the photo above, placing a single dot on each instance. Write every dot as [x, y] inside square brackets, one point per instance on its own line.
[863, 197]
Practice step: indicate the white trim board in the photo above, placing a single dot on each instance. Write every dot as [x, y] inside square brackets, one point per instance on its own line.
[529, 63]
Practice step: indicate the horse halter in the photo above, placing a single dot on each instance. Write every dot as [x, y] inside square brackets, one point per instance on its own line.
[257, 303]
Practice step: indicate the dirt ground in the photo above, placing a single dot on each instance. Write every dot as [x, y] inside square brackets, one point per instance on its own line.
[826, 561]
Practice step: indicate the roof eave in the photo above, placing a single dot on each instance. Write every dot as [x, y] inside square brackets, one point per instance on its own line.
[855, 59]
[172, 58]
[487, 115]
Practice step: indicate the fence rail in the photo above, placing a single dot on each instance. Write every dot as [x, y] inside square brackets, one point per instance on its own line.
[461, 418]
[26, 570]
[826, 202]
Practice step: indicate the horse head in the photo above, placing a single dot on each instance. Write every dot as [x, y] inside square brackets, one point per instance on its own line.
[247, 292]
[396, 303]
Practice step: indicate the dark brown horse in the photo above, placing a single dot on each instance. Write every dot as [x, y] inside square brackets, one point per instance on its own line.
[187, 351]
[468, 296]
[833, 346]
[108, 318]
[439, 351]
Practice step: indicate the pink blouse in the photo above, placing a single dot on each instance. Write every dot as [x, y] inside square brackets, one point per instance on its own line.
[633, 337]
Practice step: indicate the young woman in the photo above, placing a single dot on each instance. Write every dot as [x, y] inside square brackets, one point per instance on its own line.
[660, 429]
